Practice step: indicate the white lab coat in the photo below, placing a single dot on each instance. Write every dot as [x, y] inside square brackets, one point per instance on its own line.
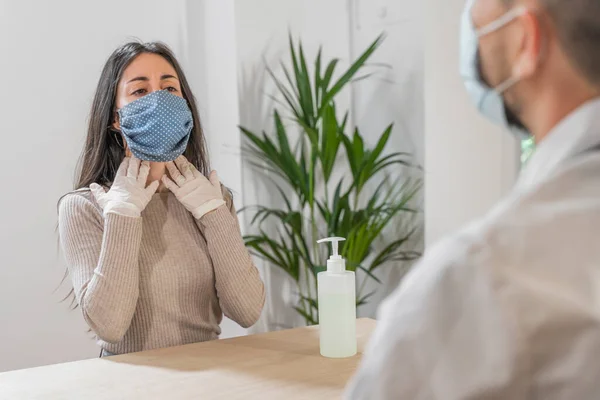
[509, 307]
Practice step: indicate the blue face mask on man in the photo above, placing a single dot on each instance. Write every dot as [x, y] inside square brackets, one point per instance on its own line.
[157, 127]
[488, 100]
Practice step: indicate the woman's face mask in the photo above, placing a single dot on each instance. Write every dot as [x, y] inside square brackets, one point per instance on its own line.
[156, 127]
[488, 100]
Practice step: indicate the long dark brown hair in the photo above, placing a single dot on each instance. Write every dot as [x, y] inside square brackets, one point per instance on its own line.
[103, 151]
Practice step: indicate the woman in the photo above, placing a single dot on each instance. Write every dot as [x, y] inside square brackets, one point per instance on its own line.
[153, 247]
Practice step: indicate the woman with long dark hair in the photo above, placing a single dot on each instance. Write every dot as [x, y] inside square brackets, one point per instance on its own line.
[151, 239]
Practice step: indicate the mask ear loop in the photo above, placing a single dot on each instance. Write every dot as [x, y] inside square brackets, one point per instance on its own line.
[507, 18]
[500, 22]
[496, 25]
[116, 135]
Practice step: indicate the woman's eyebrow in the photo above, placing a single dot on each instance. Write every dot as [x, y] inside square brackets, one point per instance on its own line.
[138, 78]
[145, 78]
[168, 76]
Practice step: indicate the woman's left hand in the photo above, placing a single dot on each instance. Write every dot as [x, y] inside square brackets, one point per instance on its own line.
[198, 194]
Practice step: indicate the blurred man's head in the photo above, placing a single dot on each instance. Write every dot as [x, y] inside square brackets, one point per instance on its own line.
[551, 46]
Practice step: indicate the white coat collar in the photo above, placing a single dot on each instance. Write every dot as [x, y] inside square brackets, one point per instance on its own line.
[576, 133]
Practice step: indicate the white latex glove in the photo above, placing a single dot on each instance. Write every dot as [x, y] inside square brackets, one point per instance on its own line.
[128, 194]
[197, 194]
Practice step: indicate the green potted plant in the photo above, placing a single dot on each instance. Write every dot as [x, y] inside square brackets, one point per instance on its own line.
[322, 196]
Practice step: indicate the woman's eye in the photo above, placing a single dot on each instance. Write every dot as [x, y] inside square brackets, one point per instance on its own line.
[172, 89]
[139, 92]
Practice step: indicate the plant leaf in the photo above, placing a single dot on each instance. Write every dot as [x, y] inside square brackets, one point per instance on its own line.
[369, 273]
[327, 78]
[349, 74]
[330, 142]
[318, 89]
[309, 318]
[305, 90]
[311, 302]
[363, 300]
[289, 97]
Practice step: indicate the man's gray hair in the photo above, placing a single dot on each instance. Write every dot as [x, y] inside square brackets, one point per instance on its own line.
[578, 27]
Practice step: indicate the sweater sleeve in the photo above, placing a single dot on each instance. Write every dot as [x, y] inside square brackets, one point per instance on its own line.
[240, 289]
[102, 259]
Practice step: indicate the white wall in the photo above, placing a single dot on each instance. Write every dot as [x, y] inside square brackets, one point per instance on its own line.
[52, 54]
[395, 93]
[469, 163]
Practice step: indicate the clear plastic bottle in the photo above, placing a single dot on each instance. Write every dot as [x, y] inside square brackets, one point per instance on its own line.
[337, 306]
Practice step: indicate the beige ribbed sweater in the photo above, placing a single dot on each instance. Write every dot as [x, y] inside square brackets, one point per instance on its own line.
[161, 280]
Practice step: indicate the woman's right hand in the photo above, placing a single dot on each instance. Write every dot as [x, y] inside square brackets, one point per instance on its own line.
[128, 195]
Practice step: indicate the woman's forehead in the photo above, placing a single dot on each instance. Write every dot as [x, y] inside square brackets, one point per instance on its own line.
[148, 65]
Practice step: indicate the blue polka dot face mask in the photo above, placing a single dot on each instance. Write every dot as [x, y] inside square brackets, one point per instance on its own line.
[157, 126]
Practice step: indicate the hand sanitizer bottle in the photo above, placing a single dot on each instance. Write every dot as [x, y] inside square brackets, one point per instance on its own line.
[337, 306]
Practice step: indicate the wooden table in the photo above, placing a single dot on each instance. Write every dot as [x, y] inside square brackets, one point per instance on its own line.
[281, 365]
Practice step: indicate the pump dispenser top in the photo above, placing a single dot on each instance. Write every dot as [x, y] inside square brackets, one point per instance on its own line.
[335, 264]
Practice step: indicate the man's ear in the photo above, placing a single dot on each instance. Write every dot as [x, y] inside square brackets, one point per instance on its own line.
[529, 60]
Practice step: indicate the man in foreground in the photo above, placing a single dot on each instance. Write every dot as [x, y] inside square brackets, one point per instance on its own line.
[509, 307]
